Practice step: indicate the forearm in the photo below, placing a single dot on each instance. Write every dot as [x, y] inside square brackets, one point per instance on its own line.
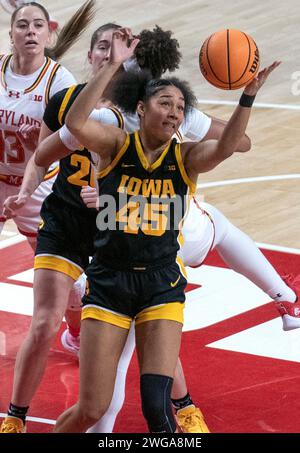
[52, 149]
[207, 154]
[204, 156]
[233, 136]
[88, 98]
[244, 144]
[32, 178]
[216, 129]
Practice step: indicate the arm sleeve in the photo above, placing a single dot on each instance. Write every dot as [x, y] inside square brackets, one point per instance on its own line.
[195, 125]
[105, 116]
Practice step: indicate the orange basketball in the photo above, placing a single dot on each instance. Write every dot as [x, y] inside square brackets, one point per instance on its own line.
[229, 59]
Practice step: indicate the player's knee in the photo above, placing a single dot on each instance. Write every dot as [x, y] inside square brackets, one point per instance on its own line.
[45, 327]
[156, 403]
[90, 413]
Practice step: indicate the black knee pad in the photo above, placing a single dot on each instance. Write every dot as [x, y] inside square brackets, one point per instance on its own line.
[156, 403]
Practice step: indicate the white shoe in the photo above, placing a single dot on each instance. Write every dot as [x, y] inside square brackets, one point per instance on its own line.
[70, 343]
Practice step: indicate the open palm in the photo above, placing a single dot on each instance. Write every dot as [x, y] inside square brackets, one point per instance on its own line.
[252, 88]
[123, 45]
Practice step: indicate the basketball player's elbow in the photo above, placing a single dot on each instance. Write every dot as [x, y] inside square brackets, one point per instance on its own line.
[244, 145]
[40, 159]
[73, 128]
[73, 124]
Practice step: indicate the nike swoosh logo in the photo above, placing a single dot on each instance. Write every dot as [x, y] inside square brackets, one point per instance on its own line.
[175, 283]
[127, 165]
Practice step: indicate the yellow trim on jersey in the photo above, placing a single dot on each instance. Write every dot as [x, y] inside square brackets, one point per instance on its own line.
[35, 83]
[64, 103]
[181, 266]
[179, 135]
[3, 69]
[111, 166]
[172, 311]
[101, 314]
[143, 158]
[59, 264]
[180, 239]
[51, 173]
[40, 76]
[183, 172]
[119, 116]
[50, 80]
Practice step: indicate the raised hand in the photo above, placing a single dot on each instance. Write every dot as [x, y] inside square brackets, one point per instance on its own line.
[252, 88]
[123, 45]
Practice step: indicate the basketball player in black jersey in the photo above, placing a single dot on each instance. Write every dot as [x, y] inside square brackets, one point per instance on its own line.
[65, 236]
[138, 276]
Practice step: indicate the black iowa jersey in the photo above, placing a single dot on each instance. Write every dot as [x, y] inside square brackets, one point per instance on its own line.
[141, 206]
[75, 170]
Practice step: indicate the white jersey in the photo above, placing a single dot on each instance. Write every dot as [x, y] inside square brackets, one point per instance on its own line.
[23, 99]
[198, 233]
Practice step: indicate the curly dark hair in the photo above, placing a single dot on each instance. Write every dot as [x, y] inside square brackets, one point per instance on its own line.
[157, 51]
[131, 87]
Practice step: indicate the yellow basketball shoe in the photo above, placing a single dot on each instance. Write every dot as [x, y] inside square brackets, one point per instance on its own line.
[12, 425]
[191, 420]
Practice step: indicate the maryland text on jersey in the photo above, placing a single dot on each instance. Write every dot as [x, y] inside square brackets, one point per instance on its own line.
[22, 102]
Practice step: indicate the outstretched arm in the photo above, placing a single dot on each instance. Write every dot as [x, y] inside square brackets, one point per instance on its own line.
[94, 136]
[33, 176]
[216, 129]
[198, 126]
[204, 156]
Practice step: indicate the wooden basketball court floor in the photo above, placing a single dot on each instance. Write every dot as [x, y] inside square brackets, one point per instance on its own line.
[258, 191]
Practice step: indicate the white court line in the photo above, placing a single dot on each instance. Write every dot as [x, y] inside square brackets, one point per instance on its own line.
[228, 182]
[259, 105]
[278, 248]
[8, 233]
[12, 241]
[35, 419]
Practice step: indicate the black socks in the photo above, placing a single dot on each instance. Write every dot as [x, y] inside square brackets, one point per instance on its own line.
[17, 411]
[182, 402]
